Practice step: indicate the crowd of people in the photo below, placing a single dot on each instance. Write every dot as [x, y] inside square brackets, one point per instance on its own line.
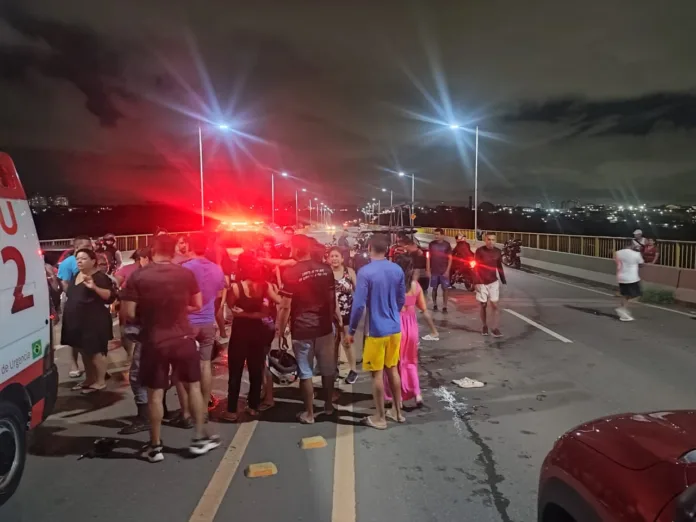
[174, 303]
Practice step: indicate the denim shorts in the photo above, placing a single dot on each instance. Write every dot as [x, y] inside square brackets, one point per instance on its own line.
[323, 349]
[439, 280]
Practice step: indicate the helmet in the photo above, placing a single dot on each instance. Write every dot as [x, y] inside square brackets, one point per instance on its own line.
[109, 237]
[282, 365]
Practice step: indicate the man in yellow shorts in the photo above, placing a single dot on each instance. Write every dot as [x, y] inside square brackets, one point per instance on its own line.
[381, 289]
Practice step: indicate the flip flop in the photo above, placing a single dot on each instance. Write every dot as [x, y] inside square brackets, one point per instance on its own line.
[79, 387]
[367, 421]
[302, 419]
[391, 416]
[265, 407]
[231, 418]
[90, 390]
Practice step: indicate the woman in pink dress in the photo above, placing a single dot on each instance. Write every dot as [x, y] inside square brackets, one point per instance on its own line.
[408, 357]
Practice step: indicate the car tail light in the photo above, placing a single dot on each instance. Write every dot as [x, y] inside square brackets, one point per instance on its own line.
[472, 264]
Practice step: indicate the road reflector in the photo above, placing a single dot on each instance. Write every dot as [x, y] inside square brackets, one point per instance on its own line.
[264, 469]
[313, 442]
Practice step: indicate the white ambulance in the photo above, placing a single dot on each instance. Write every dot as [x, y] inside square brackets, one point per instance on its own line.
[28, 374]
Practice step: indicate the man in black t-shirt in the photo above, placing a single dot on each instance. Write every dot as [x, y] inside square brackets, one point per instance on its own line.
[439, 266]
[489, 267]
[161, 295]
[308, 303]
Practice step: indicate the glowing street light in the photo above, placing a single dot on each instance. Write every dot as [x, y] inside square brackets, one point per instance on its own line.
[391, 197]
[223, 126]
[455, 126]
[458, 127]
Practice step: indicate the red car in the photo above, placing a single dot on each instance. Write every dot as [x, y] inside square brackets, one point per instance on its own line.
[624, 468]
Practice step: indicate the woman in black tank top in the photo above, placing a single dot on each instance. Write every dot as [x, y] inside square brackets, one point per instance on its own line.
[252, 334]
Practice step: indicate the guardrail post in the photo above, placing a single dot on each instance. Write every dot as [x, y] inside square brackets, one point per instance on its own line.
[677, 255]
[582, 245]
[596, 247]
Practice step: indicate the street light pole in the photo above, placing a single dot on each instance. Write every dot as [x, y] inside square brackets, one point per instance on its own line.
[476, 185]
[272, 198]
[200, 154]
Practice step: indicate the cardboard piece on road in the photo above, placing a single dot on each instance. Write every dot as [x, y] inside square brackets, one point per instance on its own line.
[313, 442]
[264, 469]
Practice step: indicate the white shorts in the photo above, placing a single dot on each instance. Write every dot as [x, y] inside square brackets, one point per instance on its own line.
[489, 292]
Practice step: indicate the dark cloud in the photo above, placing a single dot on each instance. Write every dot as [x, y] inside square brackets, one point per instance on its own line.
[637, 116]
[69, 52]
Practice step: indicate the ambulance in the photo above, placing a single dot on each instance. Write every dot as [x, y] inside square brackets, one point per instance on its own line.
[28, 374]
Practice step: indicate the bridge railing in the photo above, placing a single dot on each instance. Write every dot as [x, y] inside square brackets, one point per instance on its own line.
[678, 254]
[123, 243]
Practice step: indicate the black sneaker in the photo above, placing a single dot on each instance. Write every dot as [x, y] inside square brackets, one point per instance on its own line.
[484, 330]
[496, 333]
[352, 377]
[152, 452]
[435, 308]
[204, 445]
[444, 310]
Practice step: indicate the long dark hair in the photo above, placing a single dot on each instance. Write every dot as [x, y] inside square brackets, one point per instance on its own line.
[406, 264]
[251, 270]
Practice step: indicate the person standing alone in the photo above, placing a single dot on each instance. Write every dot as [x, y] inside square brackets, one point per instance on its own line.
[489, 265]
[381, 288]
[438, 266]
[628, 261]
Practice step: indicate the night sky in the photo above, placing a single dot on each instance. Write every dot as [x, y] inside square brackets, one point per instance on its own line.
[594, 101]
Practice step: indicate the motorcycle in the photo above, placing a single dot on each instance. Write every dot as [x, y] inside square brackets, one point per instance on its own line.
[511, 253]
[464, 274]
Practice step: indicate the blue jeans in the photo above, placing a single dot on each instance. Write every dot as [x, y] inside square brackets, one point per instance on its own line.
[139, 391]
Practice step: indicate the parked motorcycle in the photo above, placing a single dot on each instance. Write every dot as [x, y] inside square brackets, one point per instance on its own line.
[511, 253]
[463, 274]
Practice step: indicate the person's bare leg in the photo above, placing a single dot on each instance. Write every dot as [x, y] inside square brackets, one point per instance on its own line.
[267, 389]
[198, 407]
[328, 384]
[483, 314]
[395, 385]
[307, 389]
[75, 353]
[444, 296]
[380, 419]
[90, 373]
[495, 315]
[156, 411]
[184, 400]
[206, 381]
[435, 296]
[99, 364]
[348, 351]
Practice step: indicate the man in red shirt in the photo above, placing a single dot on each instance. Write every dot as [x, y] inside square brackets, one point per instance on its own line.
[489, 265]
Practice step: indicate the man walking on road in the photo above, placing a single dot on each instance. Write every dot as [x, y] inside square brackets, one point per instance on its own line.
[628, 261]
[308, 301]
[439, 265]
[162, 295]
[381, 289]
[489, 265]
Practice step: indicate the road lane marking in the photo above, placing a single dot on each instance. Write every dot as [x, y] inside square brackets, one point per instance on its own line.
[540, 327]
[213, 495]
[686, 314]
[343, 509]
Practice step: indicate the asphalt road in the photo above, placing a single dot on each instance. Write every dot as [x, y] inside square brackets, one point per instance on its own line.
[468, 455]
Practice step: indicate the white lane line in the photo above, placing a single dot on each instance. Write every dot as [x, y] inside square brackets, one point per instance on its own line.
[343, 509]
[540, 327]
[686, 314]
[213, 495]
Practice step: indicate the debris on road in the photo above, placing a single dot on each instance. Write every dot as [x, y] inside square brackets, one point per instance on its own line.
[467, 382]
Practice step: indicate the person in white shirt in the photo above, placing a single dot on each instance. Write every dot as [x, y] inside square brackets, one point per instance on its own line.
[628, 261]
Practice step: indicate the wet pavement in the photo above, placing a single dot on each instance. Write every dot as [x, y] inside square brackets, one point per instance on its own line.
[468, 454]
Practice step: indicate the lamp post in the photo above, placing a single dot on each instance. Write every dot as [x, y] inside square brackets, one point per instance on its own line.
[455, 126]
[297, 207]
[223, 127]
[391, 197]
[413, 194]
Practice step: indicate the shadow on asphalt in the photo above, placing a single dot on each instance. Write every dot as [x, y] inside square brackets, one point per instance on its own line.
[49, 441]
[81, 404]
[592, 311]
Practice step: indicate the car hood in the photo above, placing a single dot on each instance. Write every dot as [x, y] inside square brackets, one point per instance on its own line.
[640, 440]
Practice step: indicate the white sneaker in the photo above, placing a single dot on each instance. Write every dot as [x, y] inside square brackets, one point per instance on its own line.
[624, 315]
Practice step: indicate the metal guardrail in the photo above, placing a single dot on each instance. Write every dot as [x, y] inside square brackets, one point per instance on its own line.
[123, 243]
[678, 254]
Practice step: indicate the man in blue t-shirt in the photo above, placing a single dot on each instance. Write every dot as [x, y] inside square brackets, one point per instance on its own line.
[211, 281]
[439, 266]
[381, 288]
[67, 269]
